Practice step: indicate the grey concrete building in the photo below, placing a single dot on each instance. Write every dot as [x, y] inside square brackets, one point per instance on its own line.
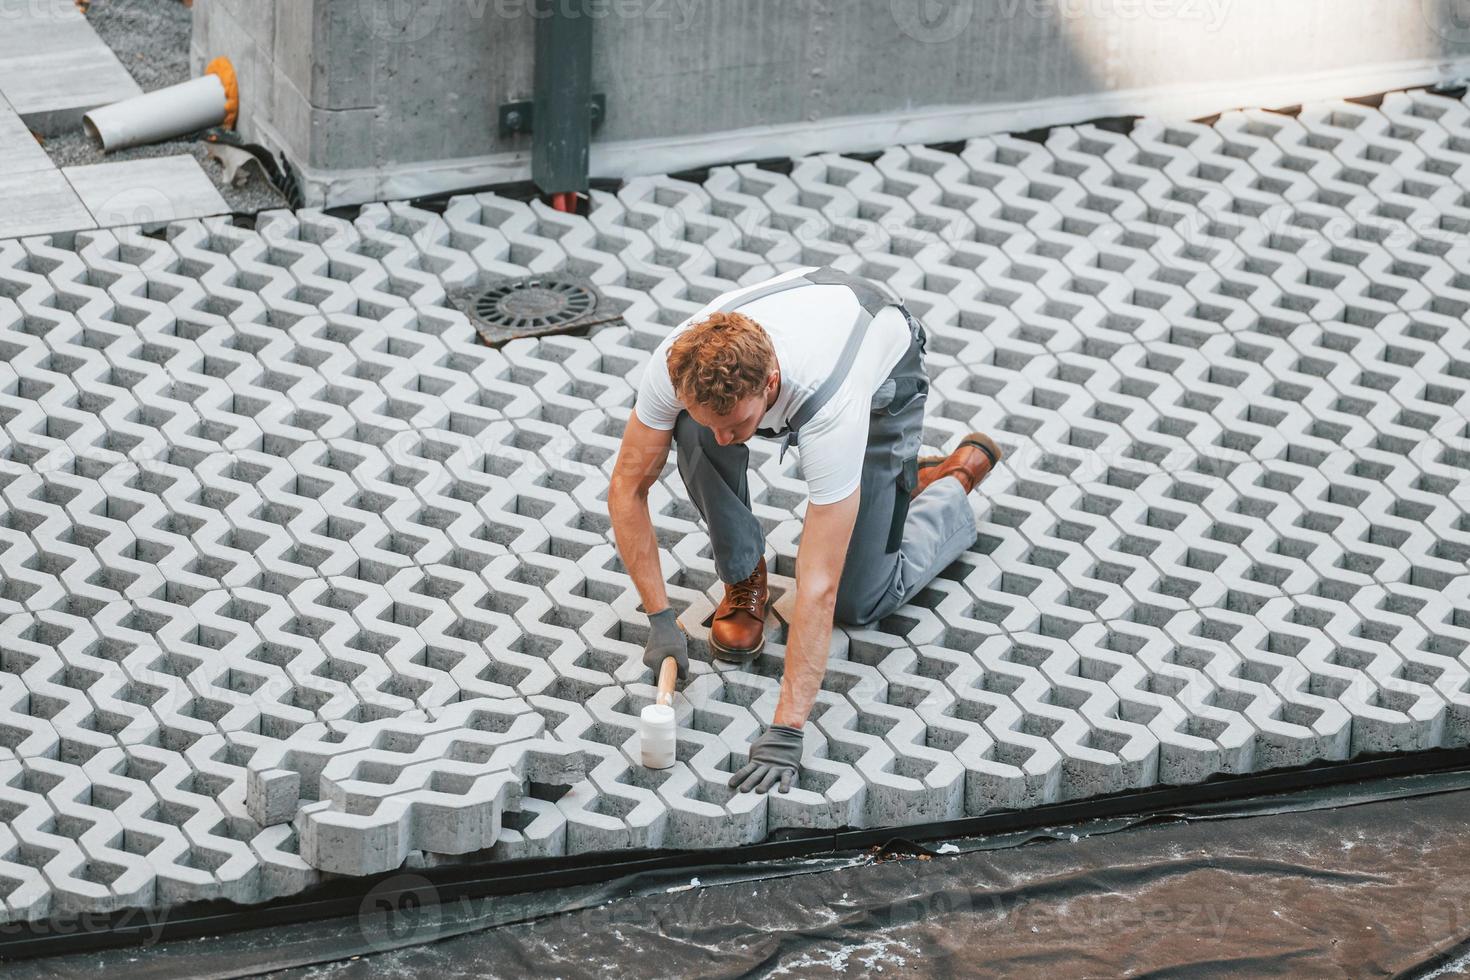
[378, 99]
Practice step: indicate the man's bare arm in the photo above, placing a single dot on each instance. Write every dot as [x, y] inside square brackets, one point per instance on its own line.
[819, 561]
[641, 458]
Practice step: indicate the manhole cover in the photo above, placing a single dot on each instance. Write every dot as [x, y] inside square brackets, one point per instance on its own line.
[531, 306]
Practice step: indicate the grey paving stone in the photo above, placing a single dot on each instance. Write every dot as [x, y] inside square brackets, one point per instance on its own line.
[37, 202]
[54, 67]
[146, 191]
[20, 153]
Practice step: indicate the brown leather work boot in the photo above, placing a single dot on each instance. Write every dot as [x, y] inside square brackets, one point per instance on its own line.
[738, 630]
[971, 461]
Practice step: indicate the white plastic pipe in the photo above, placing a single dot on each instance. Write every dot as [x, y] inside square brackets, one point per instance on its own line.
[209, 100]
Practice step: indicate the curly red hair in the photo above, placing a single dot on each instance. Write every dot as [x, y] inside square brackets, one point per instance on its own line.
[721, 360]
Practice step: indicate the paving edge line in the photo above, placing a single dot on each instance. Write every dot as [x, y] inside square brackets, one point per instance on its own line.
[30, 940]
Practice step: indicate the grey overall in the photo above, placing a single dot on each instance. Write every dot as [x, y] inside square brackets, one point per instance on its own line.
[897, 547]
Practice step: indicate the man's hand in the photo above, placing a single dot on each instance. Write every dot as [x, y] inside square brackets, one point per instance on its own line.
[665, 640]
[774, 755]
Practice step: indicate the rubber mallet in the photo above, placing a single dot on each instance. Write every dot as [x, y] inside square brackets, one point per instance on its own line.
[656, 724]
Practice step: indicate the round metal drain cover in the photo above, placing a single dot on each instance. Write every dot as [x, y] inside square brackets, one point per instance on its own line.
[531, 306]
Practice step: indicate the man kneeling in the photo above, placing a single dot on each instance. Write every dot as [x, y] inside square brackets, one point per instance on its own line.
[835, 360]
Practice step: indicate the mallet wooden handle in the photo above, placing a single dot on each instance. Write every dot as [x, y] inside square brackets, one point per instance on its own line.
[667, 675]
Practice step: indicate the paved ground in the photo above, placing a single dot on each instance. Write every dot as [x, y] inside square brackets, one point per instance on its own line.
[297, 579]
[53, 69]
[152, 39]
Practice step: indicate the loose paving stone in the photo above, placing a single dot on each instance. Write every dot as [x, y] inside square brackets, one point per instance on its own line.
[147, 191]
[54, 67]
[297, 579]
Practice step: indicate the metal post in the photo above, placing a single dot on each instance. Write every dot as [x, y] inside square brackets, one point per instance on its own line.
[563, 96]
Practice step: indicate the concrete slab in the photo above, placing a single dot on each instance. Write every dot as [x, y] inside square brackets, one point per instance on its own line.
[38, 202]
[146, 191]
[20, 153]
[298, 579]
[54, 67]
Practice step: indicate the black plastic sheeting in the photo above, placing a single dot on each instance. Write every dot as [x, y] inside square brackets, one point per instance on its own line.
[1367, 880]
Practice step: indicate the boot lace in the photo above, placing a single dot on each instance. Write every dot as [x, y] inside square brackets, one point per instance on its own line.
[745, 595]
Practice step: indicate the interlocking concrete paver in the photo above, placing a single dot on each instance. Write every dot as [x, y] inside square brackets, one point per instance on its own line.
[297, 579]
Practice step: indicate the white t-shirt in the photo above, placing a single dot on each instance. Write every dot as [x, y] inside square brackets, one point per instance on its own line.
[808, 326]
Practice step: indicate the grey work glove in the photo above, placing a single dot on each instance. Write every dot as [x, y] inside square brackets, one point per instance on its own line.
[665, 639]
[774, 755]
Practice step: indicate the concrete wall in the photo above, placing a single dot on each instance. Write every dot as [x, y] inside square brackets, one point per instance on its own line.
[376, 99]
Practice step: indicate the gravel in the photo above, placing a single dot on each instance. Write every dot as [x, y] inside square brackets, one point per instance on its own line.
[151, 39]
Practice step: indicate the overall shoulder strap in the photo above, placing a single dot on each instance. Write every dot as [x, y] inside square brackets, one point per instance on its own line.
[871, 299]
[871, 296]
[762, 291]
